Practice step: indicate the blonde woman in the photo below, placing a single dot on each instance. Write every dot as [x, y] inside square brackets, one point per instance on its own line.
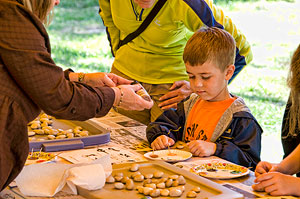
[30, 82]
[277, 179]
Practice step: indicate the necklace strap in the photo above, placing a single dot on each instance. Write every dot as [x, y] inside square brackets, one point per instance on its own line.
[145, 23]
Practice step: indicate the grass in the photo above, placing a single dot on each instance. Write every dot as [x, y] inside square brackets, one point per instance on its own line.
[78, 37]
[272, 28]
[79, 41]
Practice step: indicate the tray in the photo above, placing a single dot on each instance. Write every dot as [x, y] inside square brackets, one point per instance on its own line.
[97, 136]
[209, 189]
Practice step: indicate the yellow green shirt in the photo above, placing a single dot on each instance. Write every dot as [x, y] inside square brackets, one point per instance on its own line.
[155, 56]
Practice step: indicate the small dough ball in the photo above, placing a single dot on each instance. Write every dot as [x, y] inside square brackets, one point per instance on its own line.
[124, 179]
[135, 173]
[164, 192]
[84, 133]
[51, 137]
[161, 185]
[149, 176]
[191, 194]
[138, 178]
[35, 126]
[169, 183]
[134, 167]
[129, 184]
[158, 174]
[155, 193]
[110, 179]
[61, 137]
[196, 189]
[31, 133]
[175, 192]
[181, 180]
[152, 185]
[147, 191]
[119, 185]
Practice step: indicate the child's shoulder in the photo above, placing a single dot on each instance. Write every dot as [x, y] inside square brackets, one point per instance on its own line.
[239, 105]
[240, 109]
[191, 99]
[189, 102]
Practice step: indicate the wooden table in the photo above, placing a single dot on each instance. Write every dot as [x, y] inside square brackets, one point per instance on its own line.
[129, 135]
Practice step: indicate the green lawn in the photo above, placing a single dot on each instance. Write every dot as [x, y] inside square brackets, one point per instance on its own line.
[273, 30]
[78, 37]
[79, 41]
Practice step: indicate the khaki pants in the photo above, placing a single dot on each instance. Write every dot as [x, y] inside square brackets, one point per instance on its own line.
[155, 91]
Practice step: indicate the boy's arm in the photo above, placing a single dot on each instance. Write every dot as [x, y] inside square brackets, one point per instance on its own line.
[243, 145]
[166, 123]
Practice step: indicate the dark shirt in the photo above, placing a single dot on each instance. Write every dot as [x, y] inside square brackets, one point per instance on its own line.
[30, 82]
[289, 142]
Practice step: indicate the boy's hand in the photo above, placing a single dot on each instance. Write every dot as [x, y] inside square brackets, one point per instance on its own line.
[202, 148]
[277, 184]
[162, 142]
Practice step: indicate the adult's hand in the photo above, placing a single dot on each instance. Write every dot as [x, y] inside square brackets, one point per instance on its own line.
[100, 79]
[264, 167]
[126, 98]
[118, 80]
[178, 91]
[104, 79]
[277, 184]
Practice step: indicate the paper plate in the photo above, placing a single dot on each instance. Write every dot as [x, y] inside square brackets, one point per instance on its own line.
[172, 155]
[40, 157]
[220, 170]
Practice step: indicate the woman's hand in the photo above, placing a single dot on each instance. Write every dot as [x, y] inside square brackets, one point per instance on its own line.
[118, 80]
[104, 79]
[126, 98]
[162, 142]
[264, 167]
[178, 91]
[202, 148]
[100, 79]
[277, 184]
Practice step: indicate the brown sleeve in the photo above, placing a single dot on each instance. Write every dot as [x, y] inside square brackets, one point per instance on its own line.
[67, 73]
[25, 52]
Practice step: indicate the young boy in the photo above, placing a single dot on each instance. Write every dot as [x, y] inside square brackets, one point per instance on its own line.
[212, 121]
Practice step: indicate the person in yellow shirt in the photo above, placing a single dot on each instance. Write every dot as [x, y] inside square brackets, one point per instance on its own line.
[212, 120]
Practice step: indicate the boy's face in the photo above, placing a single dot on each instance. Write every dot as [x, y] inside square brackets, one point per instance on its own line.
[208, 81]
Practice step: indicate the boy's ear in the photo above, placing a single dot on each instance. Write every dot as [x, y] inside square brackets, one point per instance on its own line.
[229, 72]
